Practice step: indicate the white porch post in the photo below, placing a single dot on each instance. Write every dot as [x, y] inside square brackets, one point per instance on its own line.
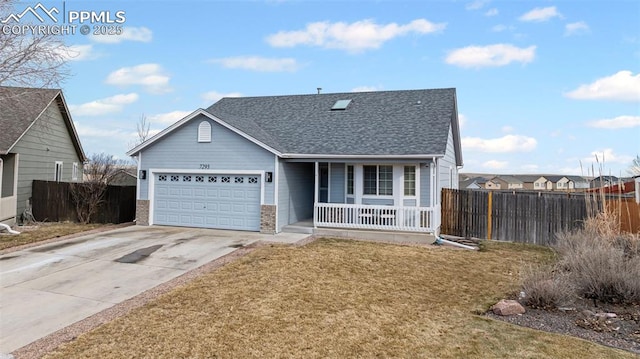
[316, 186]
[1, 168]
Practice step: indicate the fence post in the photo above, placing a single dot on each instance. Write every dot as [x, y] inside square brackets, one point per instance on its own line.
[489, 208]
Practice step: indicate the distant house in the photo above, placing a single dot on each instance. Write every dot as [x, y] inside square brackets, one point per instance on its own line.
[528, 181]
[123, 177]
[493, 183]
[508, 182]
[37, 142]
[368, 160]
[572, 183]
[603, 181]
[473, 183]
[540, 184]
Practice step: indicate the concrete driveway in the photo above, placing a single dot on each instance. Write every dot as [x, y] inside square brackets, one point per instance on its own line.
[49, 287]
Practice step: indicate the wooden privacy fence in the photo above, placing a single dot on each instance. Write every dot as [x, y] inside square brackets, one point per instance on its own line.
[523, 216]
[52, 201]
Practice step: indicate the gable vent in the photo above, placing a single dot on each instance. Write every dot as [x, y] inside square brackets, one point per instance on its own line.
[204, 132]
[341, 105]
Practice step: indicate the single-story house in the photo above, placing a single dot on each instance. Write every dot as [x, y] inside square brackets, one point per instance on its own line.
[37, 142]
[370, 160]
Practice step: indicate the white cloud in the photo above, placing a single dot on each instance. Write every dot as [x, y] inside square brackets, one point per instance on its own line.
[168, 117]
[605, 156]
[214, 96]
[621, 86]
[366, 88]
[616, 122]
[129, 33]
[491, 12]
[150, 76]
[491, 55]
[499, 28]
[88, 131]
[257, 63]
[540, 14]
[507, 143]
[507, 129]
[77, 52]
[352, 37]
[495, 164]
[477, 4]
[576, 28]
[103, 106]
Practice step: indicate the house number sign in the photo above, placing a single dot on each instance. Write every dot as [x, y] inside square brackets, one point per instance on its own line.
[204, 166]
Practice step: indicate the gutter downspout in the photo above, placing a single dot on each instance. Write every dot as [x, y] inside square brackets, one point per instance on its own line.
[8, 229]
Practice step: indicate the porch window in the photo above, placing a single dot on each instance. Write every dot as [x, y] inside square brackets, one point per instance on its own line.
[378, 180]
[409, 180]
[349, 180]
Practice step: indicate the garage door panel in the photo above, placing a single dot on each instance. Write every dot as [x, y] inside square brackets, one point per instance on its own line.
[210, 201]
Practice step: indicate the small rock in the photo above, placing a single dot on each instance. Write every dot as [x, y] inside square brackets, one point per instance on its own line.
[566, 309]
[606, 315]
[507, 307]
[587, 313]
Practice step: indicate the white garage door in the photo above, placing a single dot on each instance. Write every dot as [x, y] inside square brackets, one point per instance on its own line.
[226, 201]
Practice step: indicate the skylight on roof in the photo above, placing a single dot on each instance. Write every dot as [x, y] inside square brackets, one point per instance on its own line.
[341, 105]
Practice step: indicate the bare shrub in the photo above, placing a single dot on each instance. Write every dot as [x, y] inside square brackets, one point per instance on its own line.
[600, 264]
[89, 195]
[546, 288]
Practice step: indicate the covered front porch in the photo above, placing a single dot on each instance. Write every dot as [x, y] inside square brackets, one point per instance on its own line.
[383, 195]
[8, 188]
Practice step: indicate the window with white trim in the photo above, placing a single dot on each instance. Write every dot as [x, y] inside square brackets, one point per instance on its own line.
[74, 172]
[378, 180]
[204, 131]
[57, 176]
[409, 180]
[350, 180]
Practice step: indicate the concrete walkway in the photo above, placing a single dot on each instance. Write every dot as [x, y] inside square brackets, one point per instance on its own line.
[49, 287]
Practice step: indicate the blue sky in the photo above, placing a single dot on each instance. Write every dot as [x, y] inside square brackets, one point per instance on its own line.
[542, 86]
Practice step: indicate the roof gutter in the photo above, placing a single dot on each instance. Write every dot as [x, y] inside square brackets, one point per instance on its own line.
[320, 156]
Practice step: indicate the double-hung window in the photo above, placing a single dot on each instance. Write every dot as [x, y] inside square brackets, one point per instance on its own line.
[350, 176]
[409, 180]
[378, 180]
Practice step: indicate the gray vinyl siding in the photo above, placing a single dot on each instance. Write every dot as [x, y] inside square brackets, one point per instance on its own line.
[337, 182]
[46, 142]
[295, 192]
[226, 151]
[409, 202]
[378, 201]
[447, 170]
[425, 185]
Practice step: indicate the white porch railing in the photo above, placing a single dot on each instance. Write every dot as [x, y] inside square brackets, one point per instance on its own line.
[8, 207]
[392, 218]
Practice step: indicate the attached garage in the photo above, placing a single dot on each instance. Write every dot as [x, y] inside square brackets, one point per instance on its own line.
[221, 201]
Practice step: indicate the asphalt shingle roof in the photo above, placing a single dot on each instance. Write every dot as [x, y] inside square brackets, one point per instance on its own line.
[409, 122]
[19, 107]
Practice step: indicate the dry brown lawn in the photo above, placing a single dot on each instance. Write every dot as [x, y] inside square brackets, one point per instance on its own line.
[43, 232]
[339, 299]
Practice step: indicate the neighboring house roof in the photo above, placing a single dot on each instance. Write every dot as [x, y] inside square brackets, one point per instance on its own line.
[527, 178]
[510, 179]
[576, 179]
[380, 123]
[553, 178]
[21, 107]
